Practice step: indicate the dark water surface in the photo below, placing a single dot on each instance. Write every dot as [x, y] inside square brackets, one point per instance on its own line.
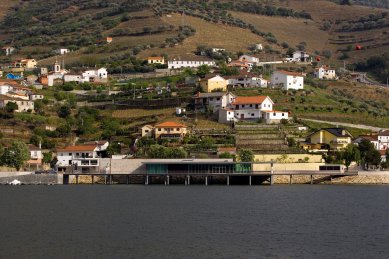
[298, 221]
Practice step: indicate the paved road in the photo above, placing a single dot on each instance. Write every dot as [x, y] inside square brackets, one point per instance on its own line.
[358, 126]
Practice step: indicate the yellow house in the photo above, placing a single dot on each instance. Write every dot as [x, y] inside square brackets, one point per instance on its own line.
[334, 138]
[26, 63]
[210, 84]
[156, 60]
[147, 131]
[170, 130]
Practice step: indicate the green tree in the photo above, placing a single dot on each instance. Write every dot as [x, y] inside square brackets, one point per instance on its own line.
[16, 155]
[369, 155]
[246, 155]
[36, 140]
[10, 107]
[47, 157]
[110, 128]
[114, 148]
[158, 151]
[203, 70]
[351, 154]
[64, 111]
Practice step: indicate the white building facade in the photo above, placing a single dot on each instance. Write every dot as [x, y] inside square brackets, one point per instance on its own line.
[325, 72]
[383, 140]
[216, 100]
[287, 80]
[179, 64]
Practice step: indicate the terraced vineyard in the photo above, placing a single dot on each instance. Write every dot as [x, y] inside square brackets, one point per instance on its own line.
[269, 139]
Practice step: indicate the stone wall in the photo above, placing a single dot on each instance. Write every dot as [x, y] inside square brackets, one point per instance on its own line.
[288, 166]
[34, 179]
[289, 158]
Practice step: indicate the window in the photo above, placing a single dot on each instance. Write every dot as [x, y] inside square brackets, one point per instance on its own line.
[274, 114]
[77, 154]
[147, 131]
[178, 129]
[159, 129]
[282, 114]
[70, 154]
[218, 99]
[252, 114]
[251, 105]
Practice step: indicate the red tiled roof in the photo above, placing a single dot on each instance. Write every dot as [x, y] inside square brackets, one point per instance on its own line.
[170, 124]
[289, 73]
[155, 58]
[384, 133]
[249, 99]
[370, 137]
[78, 148]
[33, 147]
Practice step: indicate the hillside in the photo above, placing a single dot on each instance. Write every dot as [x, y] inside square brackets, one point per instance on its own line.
[176, 28]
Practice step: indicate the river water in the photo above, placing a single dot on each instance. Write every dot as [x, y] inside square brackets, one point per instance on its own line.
[298, 221]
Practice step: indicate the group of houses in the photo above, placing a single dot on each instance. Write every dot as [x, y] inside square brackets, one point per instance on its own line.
[60, 76]
[338, 139]
[12, 92]
[230, 108]
[280, 78]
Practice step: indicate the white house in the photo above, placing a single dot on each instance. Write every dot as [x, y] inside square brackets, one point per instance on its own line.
[383, 140]
[325, 72]
[36, 155]
[288, 80]
[73, 78]
[226, 115]
[218, 50]
[252, 108]
[34, 97]
[246, 80]
[249, 59]
[99, 75]
[23, 105]
[190, 63]
[259, 46]
[301, 56]
[5, 88]
[8, 50]
[62, 51]
[215, 100]
[372, 138]
[84, 158]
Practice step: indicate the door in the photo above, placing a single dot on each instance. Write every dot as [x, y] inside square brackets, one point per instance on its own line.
[242, 116]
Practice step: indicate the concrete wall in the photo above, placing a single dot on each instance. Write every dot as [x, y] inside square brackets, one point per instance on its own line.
[34, 179]
[290, 158]
[10, 174]
[288, 167]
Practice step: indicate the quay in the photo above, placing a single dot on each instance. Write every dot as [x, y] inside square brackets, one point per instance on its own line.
[254, 178]
[206, 172]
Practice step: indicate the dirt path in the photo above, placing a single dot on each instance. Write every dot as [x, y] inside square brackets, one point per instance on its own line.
[358, 126]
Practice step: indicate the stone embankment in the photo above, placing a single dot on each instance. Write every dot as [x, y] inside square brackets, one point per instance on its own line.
[368, 177]
[33, 179]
